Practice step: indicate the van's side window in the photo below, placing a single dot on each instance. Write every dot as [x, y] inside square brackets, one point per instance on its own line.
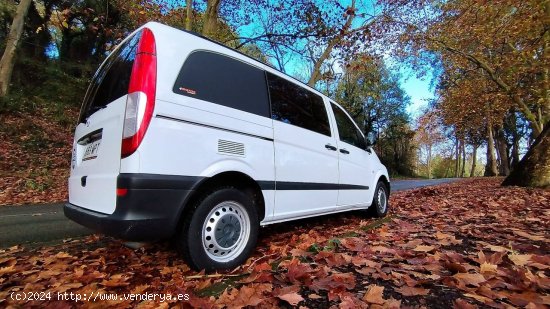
[295, 105]
[347, 130]
[223, 80]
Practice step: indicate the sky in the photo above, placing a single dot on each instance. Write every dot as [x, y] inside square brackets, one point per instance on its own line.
[419, 91]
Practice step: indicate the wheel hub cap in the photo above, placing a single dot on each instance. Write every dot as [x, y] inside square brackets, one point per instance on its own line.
[382, 200]
[226, 231]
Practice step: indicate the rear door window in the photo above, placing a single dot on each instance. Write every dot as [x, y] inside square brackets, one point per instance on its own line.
[347, 130]
[112, 79]
[223, 80]
[296, 105]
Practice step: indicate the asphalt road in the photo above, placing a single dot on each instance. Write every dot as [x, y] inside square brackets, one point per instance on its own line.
[43, 224]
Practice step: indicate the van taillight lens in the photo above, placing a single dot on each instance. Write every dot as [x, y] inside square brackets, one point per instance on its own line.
[140, 102]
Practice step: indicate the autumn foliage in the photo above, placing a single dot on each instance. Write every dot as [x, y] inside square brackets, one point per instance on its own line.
[468, 244]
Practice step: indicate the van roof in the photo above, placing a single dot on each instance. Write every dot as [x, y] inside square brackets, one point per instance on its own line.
[247, 56]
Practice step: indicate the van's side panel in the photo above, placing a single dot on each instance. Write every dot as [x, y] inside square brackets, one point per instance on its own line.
[192, 137]
[307, 172]
[356, 167]
[197, 140]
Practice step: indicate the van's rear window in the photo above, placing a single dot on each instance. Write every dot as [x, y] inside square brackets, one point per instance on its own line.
[112, 79]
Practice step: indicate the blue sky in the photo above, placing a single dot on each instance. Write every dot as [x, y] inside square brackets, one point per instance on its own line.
[419, 91]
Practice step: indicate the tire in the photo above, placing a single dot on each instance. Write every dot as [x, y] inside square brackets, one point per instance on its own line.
[220, 232]
[380, 204]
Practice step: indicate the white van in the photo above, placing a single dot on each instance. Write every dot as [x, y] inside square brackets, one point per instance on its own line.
[181, 137]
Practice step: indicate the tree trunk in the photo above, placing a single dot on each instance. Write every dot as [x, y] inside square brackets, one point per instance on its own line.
[210, 18]
[189, 15]
[474, 161]
[457, 157]
[491, 167]
[515, 151]
[430, 161]
[316, 73]
[463, 170]
[515, 139]
[546, 70]
[504, 167]
[8, 59]
[534, 169]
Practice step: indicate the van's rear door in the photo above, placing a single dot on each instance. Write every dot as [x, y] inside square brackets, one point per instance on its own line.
[96, 156]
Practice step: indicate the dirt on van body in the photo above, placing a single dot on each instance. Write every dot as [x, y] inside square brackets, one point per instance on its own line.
[468, 244]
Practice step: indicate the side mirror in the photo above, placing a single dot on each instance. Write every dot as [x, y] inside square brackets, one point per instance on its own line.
[371, 139]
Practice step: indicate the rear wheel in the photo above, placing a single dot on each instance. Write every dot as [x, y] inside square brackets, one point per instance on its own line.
[379, 207]
[221, 232]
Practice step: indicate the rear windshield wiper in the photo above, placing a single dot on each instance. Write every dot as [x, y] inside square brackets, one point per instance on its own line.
[91, 111]
[94, 109]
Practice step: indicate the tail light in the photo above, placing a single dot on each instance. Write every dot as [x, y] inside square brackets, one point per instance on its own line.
[140, 102]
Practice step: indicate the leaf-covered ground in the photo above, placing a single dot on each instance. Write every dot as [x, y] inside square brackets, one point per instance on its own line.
[35, 149]
[467, 244]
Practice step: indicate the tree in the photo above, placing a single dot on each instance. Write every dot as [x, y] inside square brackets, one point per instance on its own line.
[532, 169]
[332, 42]
[8, 58]
[503, 43]
[210, 17]
[373, 96]
[188, 15]
[428, 135]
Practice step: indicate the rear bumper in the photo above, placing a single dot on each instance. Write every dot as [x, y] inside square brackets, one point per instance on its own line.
[150, 209]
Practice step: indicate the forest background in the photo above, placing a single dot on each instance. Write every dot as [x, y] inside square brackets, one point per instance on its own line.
[485, 66]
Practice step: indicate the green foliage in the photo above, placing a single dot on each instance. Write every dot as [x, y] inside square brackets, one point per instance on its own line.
[444, 167]
[54, 85]
[374, 98]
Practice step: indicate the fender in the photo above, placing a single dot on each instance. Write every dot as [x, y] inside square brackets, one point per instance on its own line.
[240, 166]
[379, 173]
[230, 165]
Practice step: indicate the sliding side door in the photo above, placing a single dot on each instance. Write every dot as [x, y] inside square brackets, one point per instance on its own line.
[306, 157]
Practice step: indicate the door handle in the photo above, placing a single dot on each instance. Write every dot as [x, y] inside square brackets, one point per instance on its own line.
[330, 147]
[344, 151]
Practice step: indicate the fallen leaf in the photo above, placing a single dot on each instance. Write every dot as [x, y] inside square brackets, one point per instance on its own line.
[7, 270]
[470, 279]
[68, 286]
[292, 298]
[412, 291]
[116, 281]
[520, 259]
[462, 304]
[374, 294]
[334, 282]
[423, 248]
[488, 268]
[63, 255]
[530, 236]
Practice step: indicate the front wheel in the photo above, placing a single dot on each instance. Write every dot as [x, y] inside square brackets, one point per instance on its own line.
[379, 207]
[221, 232]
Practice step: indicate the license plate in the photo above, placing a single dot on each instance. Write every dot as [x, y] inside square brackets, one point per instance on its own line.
[91, 151]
